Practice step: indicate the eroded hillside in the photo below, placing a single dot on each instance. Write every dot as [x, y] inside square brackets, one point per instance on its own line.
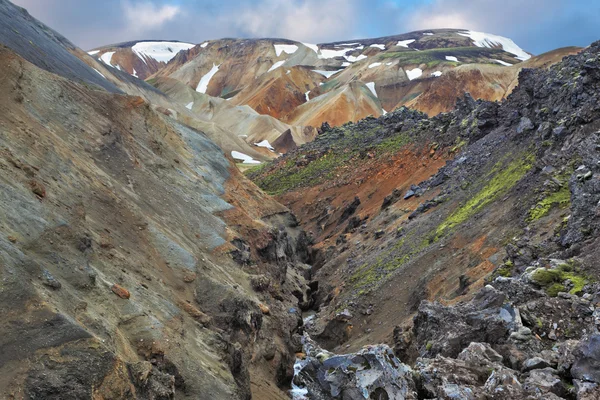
[406, 208]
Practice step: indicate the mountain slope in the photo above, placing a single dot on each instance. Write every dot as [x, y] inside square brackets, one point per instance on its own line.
[136, 261]
[407, 208]
[277, 77]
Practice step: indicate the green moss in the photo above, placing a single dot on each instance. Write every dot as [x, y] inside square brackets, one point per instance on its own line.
[562, 199]
[291, 176]
[552, 280]
[503, 179]
[554, 289]
[429, 346]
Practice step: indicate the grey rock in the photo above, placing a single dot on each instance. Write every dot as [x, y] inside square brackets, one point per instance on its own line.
[587, 360]
[534, 363]
[525, 125]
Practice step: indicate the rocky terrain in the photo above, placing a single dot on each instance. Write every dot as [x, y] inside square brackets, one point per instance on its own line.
[468, 242]
[398, 257]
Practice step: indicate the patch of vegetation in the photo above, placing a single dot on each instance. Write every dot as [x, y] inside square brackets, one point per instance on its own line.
[505, 270]
[501, 179]
[369, 275]
[433, 57]
[561, 198]
[292, 176]
[553, 280]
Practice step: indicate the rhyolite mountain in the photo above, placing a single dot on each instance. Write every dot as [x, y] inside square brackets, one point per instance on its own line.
[137, 262]
[304, 85]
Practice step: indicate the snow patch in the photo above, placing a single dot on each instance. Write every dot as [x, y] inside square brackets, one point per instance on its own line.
[327, 53]
[276, 65]
[377, 64]
[481, 39]
[355, 58]
[285, 48]
[379, 46]
[346, 44]
[306, 96]
[204, 81]
[106, 57]
[414, 73]
[437, 74]
[327, 74]
[346, 64]
[246, 159]
[427, 34]
[371, 86]
[93, 52]
[388, 64]
[451, 58]
[159, 51]
[405, 43]
[135, 73]
[203, 45]
[313, 47]
[102, 75]
[503, 63]
[265, 143]
[190, 105]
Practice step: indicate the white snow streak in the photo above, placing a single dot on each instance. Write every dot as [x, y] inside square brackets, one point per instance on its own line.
[354, 59]
[371, 86]
[503, 63]
[246, 159]
[276, 65]
[93, 52]
[190, 105]
[481, 39]
[285, 48]
[306, 96]
[414, 73]
[159, 51]
[405, 43]
[437, 74]
[265, 143]
[102, 75]
[427, 34]
[327, 74]
[204, 81]
[377, 64]
[451, 58]
[379, 46]
[313, 47]
[106, 57]
[203, 45]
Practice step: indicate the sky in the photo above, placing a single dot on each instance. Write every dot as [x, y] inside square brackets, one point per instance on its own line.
[535, 25]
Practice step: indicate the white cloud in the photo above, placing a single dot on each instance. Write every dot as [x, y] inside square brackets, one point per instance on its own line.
[305, 20]
[144, 16]
[485, 15]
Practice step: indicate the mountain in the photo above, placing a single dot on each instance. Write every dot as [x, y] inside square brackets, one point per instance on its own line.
[402, 256]
[473, 228]
[305, 84]
[135, 260]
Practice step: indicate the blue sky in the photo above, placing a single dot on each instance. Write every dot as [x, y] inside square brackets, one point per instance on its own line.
[535, 25]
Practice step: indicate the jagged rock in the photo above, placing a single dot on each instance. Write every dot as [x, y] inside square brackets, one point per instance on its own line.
[373, 372]
[524, 125]
[349, 210]
[586, 365]
[545, 380]
[534, 363]
[447, 330]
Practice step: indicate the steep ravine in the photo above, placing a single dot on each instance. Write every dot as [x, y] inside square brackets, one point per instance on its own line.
[469, 243]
